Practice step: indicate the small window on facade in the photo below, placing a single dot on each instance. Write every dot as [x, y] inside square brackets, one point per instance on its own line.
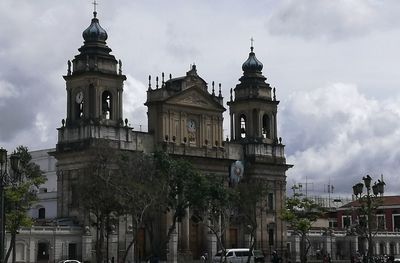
[270, 201]
[271, 236]
[380, 221]
[346, 221]
[42, 213]
[333, 224]
[396, 223]
[266, 126]
[243, 126]
[106, 105]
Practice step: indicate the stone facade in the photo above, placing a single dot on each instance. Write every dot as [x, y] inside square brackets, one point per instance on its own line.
[185, 120]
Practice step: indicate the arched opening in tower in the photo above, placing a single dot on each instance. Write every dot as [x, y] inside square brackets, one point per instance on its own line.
[107, 105]
[243, 126]
[266, 126]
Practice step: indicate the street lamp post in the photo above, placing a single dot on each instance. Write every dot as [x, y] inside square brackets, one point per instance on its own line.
[368, 204]
[5, 179]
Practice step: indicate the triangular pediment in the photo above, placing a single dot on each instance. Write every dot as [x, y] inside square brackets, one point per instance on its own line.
[195, 97]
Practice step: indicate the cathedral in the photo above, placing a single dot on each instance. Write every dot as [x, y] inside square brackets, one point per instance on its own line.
[185, 119]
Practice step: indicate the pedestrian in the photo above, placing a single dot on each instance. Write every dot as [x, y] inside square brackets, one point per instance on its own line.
[275, 257]
[204, 257]
[325, 258]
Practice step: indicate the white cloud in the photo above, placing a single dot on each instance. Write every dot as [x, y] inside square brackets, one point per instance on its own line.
[42, 126]
[336, 132]
[134, 109]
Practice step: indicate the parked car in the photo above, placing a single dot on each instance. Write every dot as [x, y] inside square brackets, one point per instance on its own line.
[239, 255]
[69, 261]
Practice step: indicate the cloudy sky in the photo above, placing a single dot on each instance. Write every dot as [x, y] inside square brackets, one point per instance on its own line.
[335, 66]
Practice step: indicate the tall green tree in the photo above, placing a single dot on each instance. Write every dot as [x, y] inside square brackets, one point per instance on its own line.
[95, 195]
[300, 213]
[251, 195]
[223, 204]
[216, 207]
[20, 195]
[185, 186]
[140, 189]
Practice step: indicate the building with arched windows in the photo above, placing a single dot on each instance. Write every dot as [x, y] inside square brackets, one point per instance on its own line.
[185, 119]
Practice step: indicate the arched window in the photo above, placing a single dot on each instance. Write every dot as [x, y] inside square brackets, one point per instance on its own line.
[392, 248]
[266, 126]
[20, 252]
[42, 251]
[381, 249]
[42, 213]
[243, 126]
[106, 104]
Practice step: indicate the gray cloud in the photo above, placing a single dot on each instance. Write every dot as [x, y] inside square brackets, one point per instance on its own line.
[338, 133]
[333, 20]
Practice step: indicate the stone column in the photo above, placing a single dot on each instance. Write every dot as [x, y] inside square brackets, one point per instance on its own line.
[387, 252]
[355, 243]
[297, 248]
[211, 244]
[185, 233]
[326, 245]
[275, 127]
[32, 250]
[120, 111]
[172, 256]
[232, 128]
[113, 246]
[87, 245]
[332, 247]
[131, 253]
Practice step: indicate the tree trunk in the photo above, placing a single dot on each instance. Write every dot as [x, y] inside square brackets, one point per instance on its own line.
[13, 251]
[100, 241]
[171, 230]
[133, 241]
[303, 254]
[11, 247]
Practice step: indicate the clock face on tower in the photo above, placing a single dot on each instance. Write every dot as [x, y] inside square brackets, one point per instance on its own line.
[79, 97]
[191, 126]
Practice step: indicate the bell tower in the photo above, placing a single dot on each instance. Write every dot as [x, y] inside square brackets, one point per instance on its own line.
[95, 82]
[254, 106]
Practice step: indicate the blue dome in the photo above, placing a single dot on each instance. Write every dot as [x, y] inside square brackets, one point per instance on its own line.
[252, 63]
[94, 32]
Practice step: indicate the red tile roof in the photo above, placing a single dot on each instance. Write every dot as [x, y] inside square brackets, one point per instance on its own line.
[387, 201]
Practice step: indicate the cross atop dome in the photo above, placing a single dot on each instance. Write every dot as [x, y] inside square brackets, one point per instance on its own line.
[94, 5]
[94, 8]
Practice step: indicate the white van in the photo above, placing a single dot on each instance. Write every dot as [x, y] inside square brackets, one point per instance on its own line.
[239, 255]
